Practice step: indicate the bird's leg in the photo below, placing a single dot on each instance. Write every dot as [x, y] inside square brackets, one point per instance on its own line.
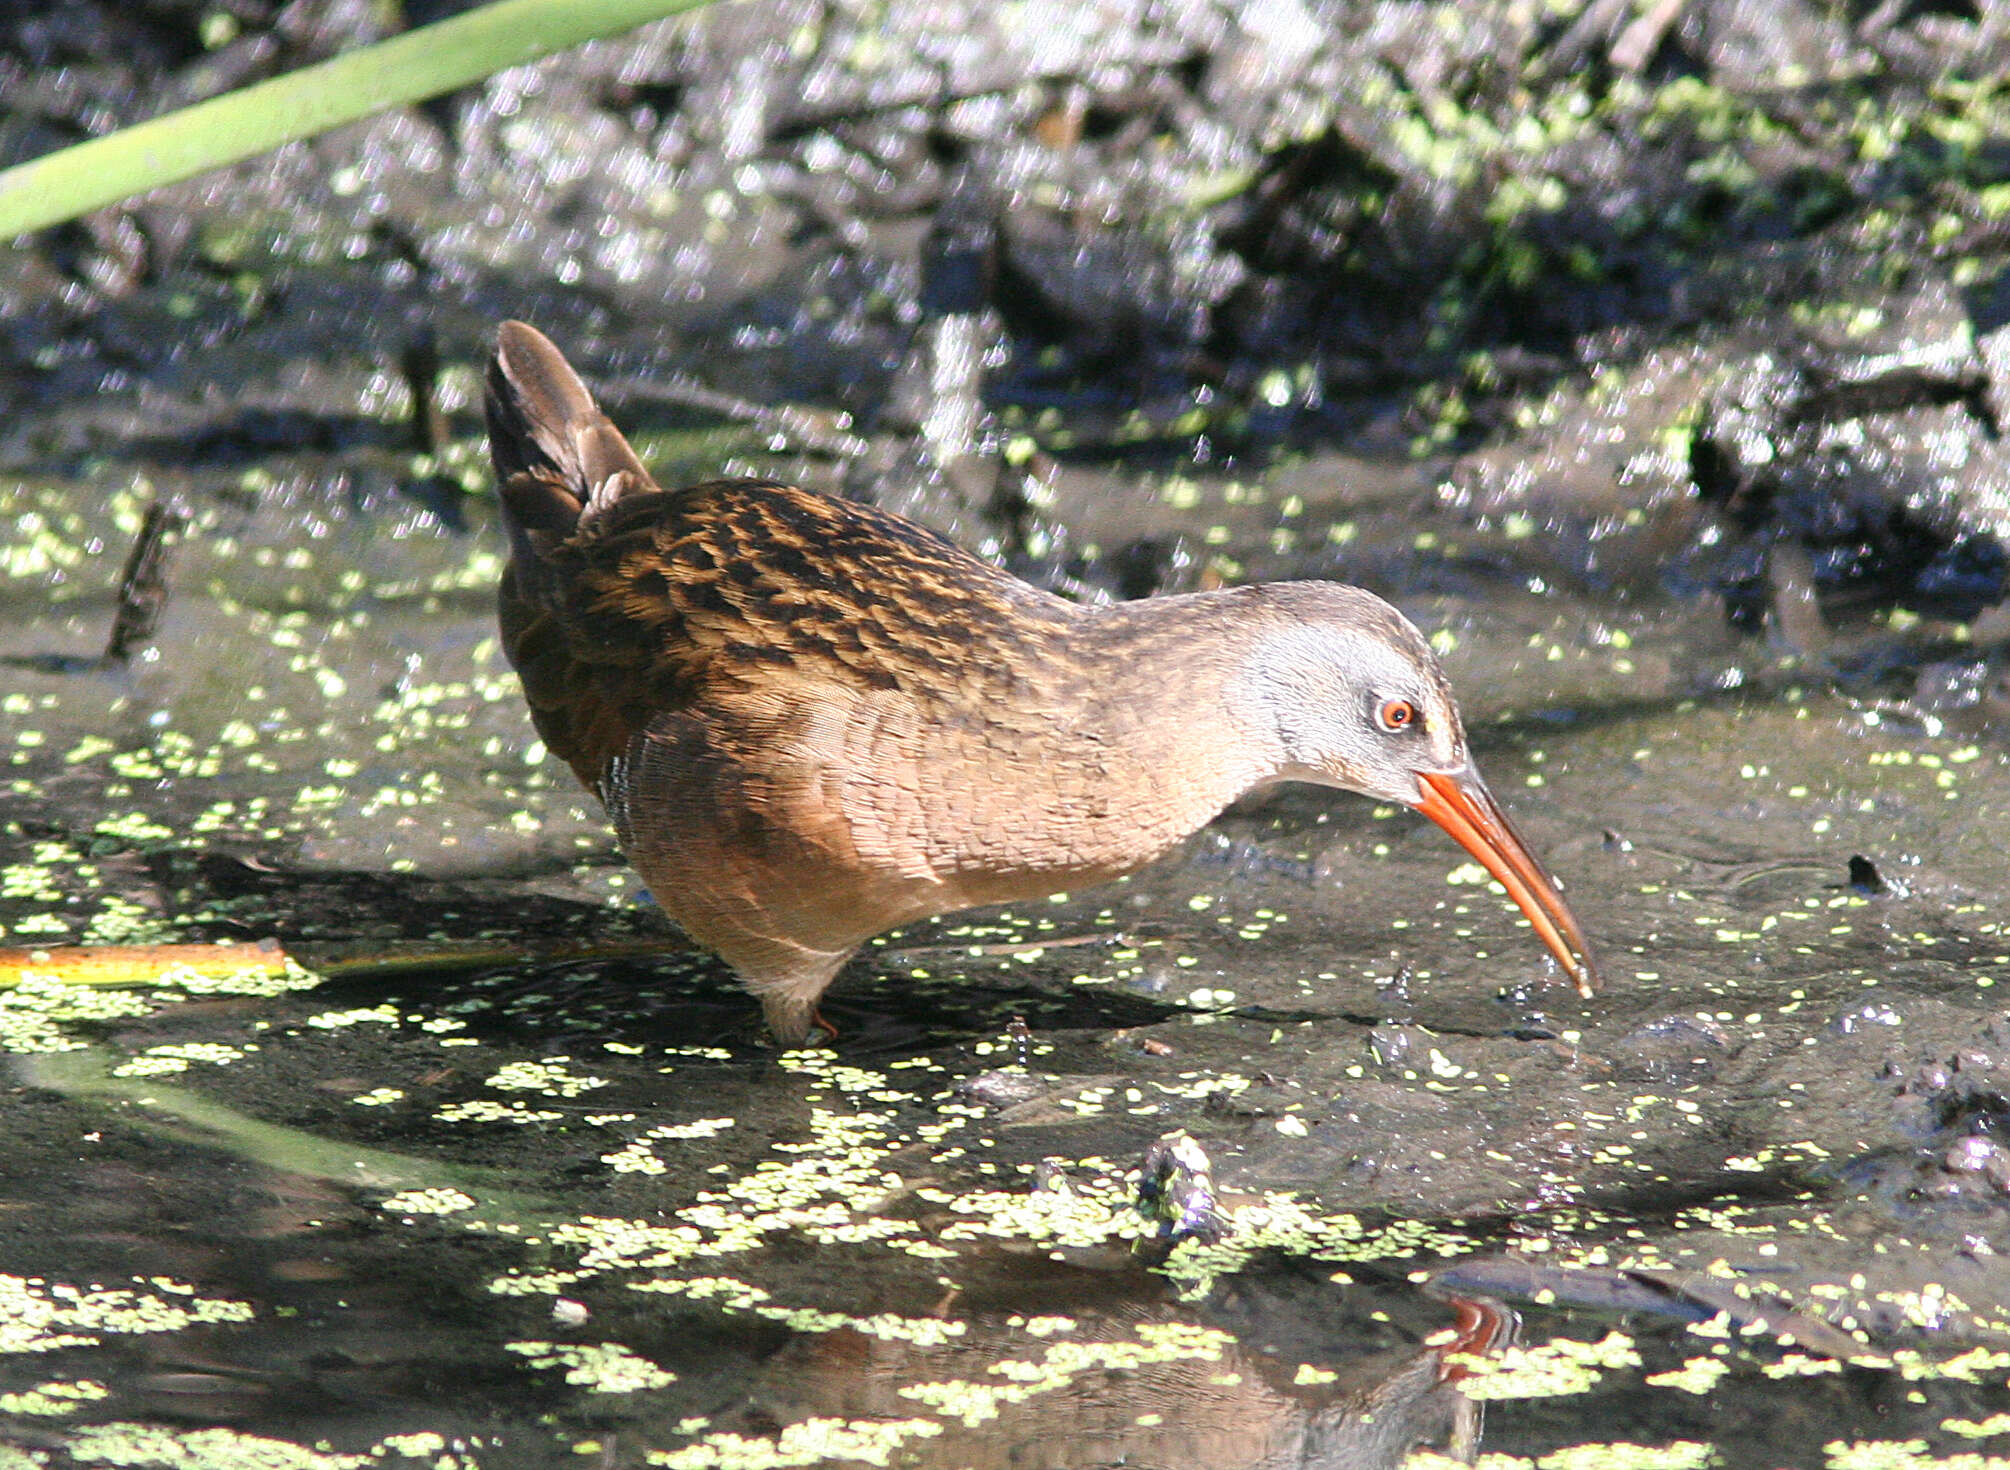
[789, 994]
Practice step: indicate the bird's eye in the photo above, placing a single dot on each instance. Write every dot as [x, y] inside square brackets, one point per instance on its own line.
[1396, 714]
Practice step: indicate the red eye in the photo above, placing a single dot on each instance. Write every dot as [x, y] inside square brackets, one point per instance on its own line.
[1396, 714]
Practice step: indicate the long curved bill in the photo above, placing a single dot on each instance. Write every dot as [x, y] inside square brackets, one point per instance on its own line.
[1459, 802]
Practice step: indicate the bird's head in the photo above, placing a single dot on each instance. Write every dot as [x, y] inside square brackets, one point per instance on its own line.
[1355, 698]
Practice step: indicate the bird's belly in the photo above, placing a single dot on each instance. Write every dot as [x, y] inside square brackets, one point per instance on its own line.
[800, 843]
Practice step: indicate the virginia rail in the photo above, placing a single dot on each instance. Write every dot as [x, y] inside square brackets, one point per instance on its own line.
[811, 720]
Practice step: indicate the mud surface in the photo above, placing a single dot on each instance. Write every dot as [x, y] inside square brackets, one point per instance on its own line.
[1653, 361]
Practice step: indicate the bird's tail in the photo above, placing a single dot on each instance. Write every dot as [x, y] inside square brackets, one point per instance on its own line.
[559, 462]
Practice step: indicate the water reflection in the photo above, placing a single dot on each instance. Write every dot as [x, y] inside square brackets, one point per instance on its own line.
[1060, 1366]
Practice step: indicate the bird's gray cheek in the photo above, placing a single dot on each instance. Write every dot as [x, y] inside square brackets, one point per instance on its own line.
[1448, 748]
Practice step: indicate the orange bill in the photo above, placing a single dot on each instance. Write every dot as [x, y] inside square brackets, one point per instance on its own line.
[1459, 802]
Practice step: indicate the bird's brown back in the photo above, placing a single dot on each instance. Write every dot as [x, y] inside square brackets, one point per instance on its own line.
[702, 597]
[624, 603]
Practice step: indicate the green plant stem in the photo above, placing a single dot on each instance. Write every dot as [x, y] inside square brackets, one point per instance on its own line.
[239, 125]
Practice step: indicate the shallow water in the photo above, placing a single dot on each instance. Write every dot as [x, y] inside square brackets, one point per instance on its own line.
[498, 1175]
[1749, 1197]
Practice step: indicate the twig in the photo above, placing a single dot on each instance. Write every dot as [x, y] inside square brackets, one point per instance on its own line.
[809, 428]
[143, 588]
[1642, 38]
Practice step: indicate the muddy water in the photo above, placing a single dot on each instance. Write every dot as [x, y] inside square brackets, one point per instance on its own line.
[498, 1175]
[516, 1213]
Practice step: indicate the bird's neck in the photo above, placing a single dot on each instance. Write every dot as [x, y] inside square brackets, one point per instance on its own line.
[1174, 681]
[1153, 731]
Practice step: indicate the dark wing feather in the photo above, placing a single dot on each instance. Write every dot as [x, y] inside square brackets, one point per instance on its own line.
[624, 601]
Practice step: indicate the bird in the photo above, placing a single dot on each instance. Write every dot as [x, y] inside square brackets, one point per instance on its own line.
[811, 720]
